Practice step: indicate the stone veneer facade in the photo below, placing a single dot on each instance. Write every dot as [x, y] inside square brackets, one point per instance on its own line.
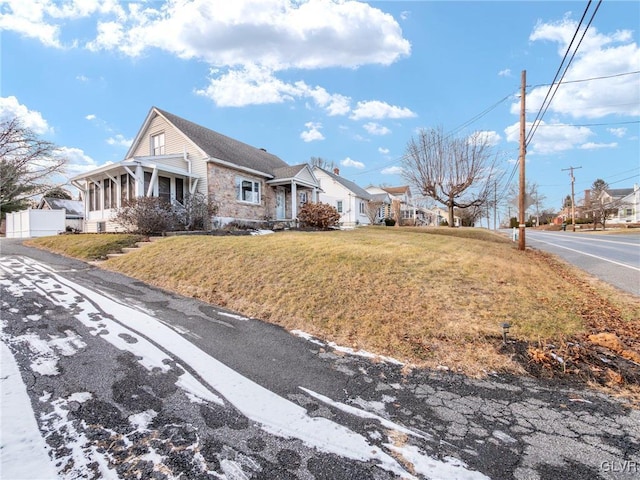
[221, 183]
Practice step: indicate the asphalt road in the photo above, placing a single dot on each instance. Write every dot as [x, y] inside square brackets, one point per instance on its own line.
[613, 258]
[127, 381]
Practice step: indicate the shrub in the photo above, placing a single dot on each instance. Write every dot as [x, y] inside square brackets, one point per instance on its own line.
[146, 215]
[195, 212]
[318, 215]
[389, 222]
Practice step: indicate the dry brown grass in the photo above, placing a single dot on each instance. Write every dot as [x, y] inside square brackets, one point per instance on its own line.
[425, 296]
[86, 246]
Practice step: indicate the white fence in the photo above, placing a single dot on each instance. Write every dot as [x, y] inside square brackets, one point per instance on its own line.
[35, 223]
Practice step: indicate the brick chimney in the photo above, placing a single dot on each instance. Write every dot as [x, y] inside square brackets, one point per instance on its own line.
[336, 170]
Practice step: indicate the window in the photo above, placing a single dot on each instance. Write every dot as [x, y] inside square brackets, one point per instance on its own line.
[123, 189]
[109, 193]
[361, 207]
[164, 188]
[180, 190]
[147, 182]
[339, 206]
[303, 198]
[157, 144]
[93, 197]
[247, 190]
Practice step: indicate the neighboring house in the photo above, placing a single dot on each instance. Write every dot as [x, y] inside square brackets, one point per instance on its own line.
[349, 199]
[73, 209]
[434, 217]
[627, 203]
[171, 157]
[400, 194]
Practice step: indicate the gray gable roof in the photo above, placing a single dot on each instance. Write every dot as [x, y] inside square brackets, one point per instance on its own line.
[288, 171]
[359, 191]
[221, 147]
[619, 192]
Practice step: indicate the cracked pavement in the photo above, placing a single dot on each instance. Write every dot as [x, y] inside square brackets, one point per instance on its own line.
[106, 410]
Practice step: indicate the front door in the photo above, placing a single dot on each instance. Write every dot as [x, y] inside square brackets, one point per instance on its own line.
[280, 204]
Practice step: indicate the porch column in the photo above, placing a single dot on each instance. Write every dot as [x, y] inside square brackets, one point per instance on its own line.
[294, 201]
[139, 176]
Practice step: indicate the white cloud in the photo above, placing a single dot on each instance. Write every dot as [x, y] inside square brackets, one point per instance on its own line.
[90, 117]
[600, 55]
[550, 138]
[376, 129]
[405, 14]
[617, 132]
[120, 141]
[383, 150]
[255, 85]
[313, 132]
[597, 146]
[490, 137]
[10, 108]
[505, 73]
[392, 171]
[348, 162]
[378, 110]
[82, 78]
[277, 34]
[78, 161]
[43, 19]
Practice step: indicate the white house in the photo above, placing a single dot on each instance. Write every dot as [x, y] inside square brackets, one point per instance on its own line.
[402, 195]
[627, 201]
[349, 199]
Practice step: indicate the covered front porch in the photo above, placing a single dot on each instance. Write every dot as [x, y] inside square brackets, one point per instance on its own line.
[109, 188]
[293, 187]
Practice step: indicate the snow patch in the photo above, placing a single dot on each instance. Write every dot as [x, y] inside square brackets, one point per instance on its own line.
[24, 451]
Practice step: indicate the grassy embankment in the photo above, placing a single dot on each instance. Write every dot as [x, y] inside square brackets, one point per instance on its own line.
[425, 296]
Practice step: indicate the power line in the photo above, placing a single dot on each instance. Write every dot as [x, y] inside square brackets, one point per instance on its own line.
[451, 133]
[589, 79]
[544, 107]
[587, 124]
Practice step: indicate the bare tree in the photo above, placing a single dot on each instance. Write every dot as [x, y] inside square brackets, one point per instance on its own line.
[322, 163]
[27, 164]
[373, 209]
[457, 172]
[396, 211]
[599, 206]
[532, 198]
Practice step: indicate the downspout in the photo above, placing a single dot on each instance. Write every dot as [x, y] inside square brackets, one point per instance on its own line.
[185, 157]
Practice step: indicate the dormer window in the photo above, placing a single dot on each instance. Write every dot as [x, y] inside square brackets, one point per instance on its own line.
[157, 144]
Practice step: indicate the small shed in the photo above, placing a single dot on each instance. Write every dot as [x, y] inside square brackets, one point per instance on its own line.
[74, 210]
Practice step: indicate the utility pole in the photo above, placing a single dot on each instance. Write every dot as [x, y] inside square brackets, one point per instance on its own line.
[573, 202]
[495, 203]
[523, 151]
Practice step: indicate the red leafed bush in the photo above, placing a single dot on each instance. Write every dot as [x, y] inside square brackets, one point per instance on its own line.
[318, 215]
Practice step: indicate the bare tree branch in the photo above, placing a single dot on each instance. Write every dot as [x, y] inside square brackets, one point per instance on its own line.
[27, 164]
[456, 172]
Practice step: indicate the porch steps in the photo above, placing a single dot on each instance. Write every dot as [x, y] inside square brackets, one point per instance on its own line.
[125, 250]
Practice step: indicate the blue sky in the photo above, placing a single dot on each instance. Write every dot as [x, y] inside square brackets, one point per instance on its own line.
[347, 81]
